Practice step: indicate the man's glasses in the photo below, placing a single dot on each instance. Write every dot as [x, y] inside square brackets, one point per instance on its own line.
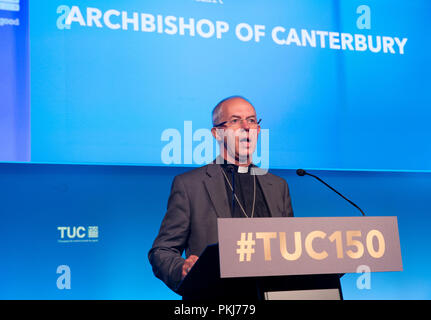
[252, 123]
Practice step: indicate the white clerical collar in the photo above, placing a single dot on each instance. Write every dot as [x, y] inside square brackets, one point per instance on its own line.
[242, 169]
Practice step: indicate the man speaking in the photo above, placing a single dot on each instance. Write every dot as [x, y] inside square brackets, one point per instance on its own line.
[230, 187]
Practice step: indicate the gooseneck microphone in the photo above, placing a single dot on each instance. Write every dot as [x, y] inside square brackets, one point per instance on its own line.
[302, 172]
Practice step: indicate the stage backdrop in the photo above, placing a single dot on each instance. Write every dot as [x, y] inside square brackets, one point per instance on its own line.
[121, 100]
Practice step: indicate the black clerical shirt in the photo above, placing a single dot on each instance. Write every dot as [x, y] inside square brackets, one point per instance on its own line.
[244, 189]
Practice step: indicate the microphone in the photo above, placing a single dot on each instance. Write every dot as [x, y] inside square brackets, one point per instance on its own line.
[302, 172]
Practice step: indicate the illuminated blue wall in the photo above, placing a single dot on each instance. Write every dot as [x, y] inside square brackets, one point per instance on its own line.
[14, 82]
[127, 203]
[105, 94]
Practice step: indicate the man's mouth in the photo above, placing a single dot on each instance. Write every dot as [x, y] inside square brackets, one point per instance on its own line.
[245, 142]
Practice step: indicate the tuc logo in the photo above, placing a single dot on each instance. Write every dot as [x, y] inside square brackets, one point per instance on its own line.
[78, 234]
[357, 247]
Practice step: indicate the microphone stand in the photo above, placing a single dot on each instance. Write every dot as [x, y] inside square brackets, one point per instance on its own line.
[301, 172]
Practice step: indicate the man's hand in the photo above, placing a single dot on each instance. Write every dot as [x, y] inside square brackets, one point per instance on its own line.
[188, 264]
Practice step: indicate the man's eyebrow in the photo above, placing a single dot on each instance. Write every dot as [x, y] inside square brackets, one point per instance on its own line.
[235, 116]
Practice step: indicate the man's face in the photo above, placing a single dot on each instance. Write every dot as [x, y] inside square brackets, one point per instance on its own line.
[238, 137]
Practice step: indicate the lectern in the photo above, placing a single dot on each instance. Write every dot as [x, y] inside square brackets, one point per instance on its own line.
[203, 282]
[290, 258]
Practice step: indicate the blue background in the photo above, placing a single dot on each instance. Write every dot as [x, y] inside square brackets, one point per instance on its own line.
[128, 204]
[101, 98]
[105, 96]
